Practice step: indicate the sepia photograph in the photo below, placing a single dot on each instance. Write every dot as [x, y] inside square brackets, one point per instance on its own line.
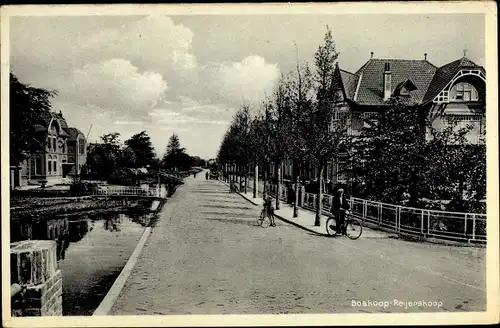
[241, 164]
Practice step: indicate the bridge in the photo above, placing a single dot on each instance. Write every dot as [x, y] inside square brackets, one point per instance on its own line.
[131, 191]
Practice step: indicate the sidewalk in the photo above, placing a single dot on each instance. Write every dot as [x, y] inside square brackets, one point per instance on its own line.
[306, 219]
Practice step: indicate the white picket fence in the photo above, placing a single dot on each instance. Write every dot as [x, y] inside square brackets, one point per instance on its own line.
[143, 191]
[464, 227]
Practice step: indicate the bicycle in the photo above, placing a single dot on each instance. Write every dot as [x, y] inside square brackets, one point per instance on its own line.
[261, 220]
[353, 227]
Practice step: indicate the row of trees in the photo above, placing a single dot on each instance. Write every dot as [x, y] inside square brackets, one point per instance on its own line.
[297, 122]
[110, 156]
[391, 161]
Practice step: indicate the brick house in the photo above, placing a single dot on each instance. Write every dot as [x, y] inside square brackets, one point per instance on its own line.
[453, 92]
[61, 157]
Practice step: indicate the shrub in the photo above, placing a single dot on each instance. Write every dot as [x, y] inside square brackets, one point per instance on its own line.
[124, 176]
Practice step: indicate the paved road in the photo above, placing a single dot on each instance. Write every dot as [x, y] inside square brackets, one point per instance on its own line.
[206, 256]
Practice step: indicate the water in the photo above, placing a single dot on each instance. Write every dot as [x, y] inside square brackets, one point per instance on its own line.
[97, 251]
[92, 249]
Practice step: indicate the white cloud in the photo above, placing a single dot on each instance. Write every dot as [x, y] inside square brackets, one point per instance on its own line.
[117, 85]
[247, 80]
[154, 40]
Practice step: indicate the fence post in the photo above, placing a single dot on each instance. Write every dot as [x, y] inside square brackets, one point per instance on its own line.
[473, 227]
[302, 195]
[465, 225]
[422, 223]
[379, 213]
[398, 218]
[428, 222]
[365, 209]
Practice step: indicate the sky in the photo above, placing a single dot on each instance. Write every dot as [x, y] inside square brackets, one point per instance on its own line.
[189, 74]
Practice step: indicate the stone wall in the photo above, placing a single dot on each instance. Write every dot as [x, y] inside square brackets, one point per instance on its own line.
[34, 267]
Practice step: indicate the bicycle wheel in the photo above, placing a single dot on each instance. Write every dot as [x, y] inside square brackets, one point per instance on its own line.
[260, 219]
[266, 221]
[354, 229]
[331, 226]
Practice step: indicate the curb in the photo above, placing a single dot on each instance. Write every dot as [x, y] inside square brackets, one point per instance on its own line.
[282, 218]
[393, 235]
[110, 298]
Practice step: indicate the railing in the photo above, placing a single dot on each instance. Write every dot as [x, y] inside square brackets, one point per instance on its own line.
[129, 191]
[455, 226]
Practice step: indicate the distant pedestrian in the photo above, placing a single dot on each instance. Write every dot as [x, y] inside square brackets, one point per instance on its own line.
[194, 175]
[206, 176]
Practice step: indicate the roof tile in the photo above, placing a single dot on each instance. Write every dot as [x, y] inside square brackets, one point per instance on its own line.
[420, 72]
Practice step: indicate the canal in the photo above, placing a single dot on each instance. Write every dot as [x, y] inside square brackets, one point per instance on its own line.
[92, 246]
[92, 249]
[93, 257]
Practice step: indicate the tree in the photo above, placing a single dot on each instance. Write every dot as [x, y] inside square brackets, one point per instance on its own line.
[140, 145]
[175, 157]
[329, 131]
[104, 158]
[388, 159]
[300, 85]
[174, 145]
[236, 148]
[394, 162]
[27, 107]
[279, 119]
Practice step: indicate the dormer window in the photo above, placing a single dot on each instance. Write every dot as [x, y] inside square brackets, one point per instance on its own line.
[404, 88]
[464, 91]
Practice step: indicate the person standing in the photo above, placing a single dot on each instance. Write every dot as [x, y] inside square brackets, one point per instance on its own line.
[340, 206]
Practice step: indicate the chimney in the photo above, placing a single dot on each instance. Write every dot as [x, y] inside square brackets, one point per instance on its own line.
[387, 82]
[371, 53]
[425, 56]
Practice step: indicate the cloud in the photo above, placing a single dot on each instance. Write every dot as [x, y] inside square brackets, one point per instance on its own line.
[117, 85]
[245, 81]
[128, 74]
[154, 40]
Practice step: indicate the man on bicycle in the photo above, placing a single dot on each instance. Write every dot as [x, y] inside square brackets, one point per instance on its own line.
[340, 206]
[269, 209]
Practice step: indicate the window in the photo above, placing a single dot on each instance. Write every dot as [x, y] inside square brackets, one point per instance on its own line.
[81, 145]
[55, 165]
[464, 91]
[369, 119]
[49, 165]
[54, 146]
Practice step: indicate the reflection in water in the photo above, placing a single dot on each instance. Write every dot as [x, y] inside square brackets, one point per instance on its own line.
[112, 222]
[88, 257]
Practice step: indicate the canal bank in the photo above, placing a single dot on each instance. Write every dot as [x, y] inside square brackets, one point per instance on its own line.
[95, 238]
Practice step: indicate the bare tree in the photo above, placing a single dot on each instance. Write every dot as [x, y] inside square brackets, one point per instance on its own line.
[329, 131]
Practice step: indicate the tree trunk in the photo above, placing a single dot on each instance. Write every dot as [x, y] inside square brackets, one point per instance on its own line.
[246, 178]
[278, 180]
[296, 181]
[319, 198]
[256, 181]
[264, 177]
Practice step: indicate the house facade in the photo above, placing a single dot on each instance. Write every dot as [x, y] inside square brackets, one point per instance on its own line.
[62, 156]
[450, 94]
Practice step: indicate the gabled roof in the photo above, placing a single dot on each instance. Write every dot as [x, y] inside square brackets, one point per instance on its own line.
[73, 133]
[445, 73]
[371, 84]
[47, 117]
[350, 82]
